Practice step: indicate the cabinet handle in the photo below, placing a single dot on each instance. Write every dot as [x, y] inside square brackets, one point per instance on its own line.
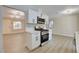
[36, 38]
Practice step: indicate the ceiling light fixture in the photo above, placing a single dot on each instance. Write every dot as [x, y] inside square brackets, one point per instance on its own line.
[69, 11]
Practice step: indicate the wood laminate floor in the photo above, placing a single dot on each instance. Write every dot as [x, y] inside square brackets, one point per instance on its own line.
[59, 44]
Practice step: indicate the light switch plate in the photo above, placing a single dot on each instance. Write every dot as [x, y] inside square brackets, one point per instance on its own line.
[17, 25]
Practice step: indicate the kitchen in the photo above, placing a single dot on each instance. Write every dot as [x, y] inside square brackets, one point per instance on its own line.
[35, 28]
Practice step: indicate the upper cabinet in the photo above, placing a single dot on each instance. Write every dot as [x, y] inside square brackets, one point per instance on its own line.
[44, 16]
[32, 16]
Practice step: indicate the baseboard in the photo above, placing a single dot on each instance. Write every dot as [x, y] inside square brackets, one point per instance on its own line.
[63, 34]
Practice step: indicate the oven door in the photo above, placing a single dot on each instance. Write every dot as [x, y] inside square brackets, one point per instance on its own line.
[44, 38]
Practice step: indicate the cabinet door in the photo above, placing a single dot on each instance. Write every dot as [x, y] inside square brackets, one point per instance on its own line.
[46, 20]
[32, 17]
[35, 40]
[77, 42]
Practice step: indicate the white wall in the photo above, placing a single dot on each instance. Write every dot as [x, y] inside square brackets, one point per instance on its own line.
[65, 25]
[78, 22]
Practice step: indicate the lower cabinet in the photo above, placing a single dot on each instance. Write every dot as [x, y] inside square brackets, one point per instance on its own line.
[14, 42]
[77, 41]
[33, 40]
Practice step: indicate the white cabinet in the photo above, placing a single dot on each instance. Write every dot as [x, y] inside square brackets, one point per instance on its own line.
[33, 40]
[32, 16]
[33, 37]
[44, 16]
[77, 41]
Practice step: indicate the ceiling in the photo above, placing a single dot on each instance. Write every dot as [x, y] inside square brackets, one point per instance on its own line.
[50, 10]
